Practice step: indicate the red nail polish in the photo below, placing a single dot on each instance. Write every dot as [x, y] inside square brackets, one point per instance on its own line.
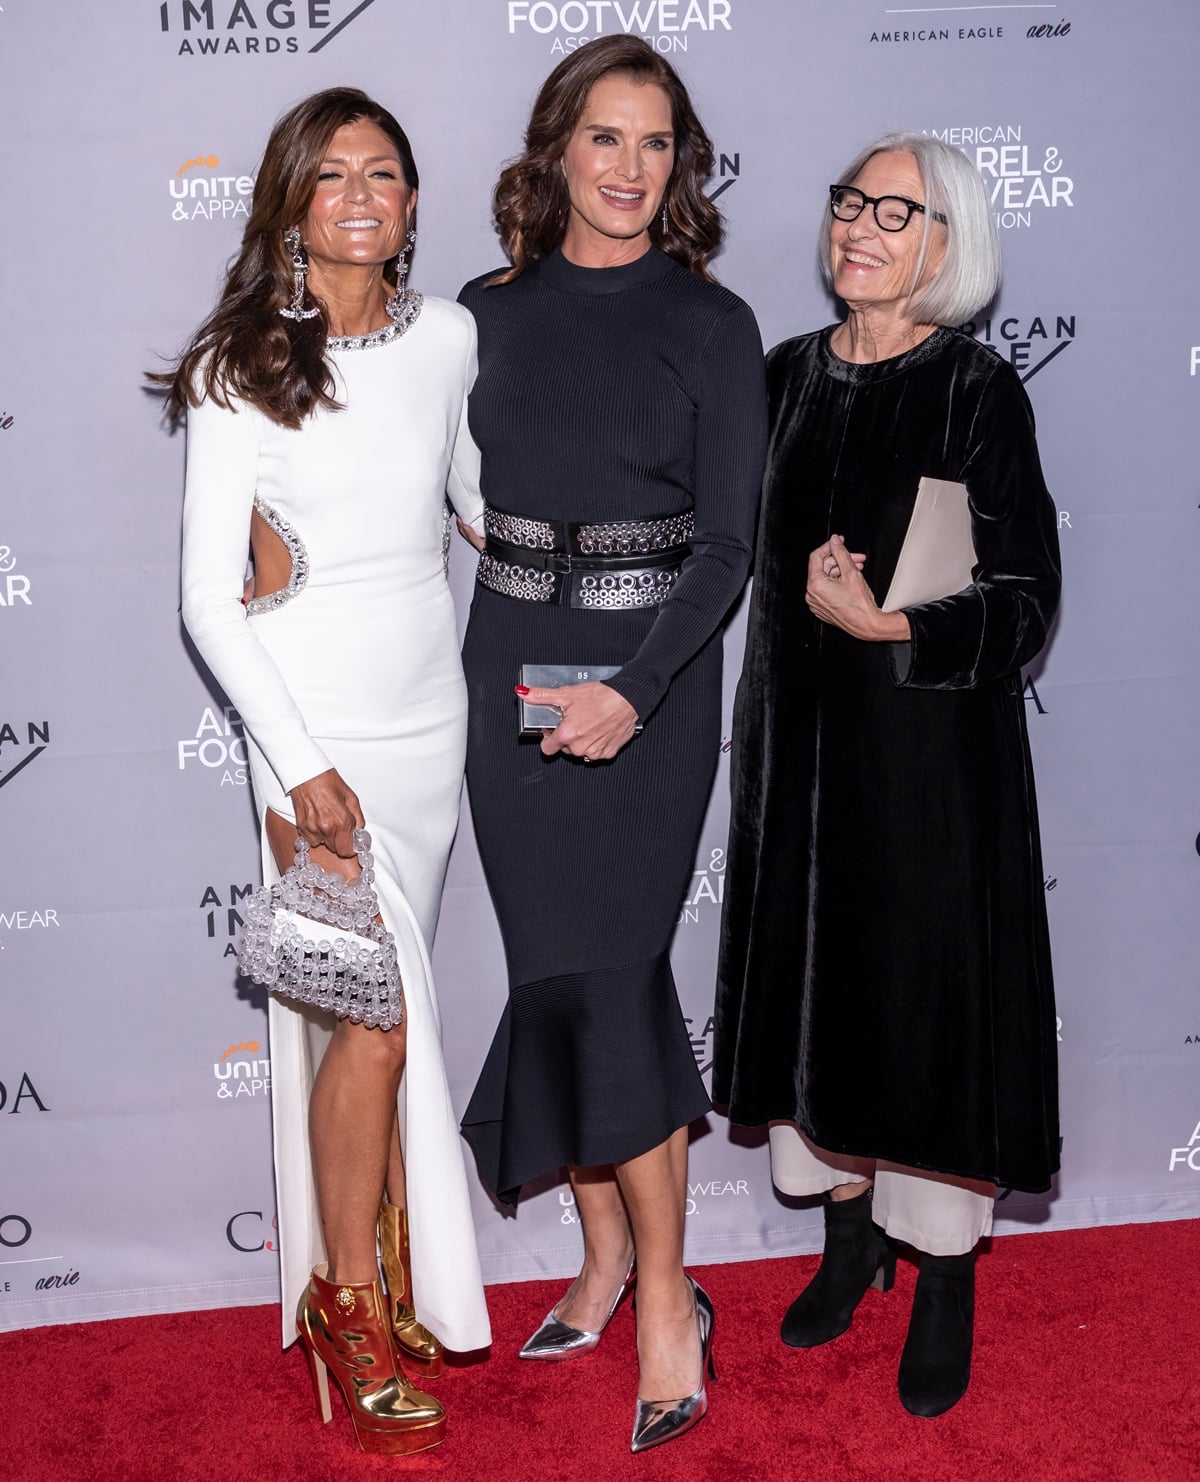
[521, 689]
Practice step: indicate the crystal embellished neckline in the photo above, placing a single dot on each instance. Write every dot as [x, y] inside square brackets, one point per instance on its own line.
[403, 309]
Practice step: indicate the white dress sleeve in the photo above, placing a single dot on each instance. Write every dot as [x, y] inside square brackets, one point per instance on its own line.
[222, 465]
[462, 485]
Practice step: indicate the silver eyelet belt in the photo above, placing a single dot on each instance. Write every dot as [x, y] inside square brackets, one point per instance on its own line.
[614, 564]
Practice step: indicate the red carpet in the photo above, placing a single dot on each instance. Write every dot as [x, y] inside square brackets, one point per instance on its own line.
[1087, 1366]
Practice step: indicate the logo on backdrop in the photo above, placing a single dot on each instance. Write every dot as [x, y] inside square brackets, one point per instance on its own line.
[716, 1188]
[1031, 695]
[1048, 30]
[243, 1078]
[729, 171]
[248, 1232]
[199, 193]
[1186, 1159]
[1023, 178]
[14, 587]
[1194, 371]
[52, 1283]
[223, 919]
[923, 34]
[701, 1039]
[42, 920]
[15, 1231]
[20, 1096]
[698, 1194]
[29, 737]
[6, 421]
[217, 745]
[668, 25]
[707, 889]
[1029, 342]
[255, 28]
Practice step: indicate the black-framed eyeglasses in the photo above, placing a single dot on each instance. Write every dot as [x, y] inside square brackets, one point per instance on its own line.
[892, 213]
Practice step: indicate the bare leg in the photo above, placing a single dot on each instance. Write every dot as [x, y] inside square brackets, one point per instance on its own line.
[351, 1113]
[849, 1191]
[350, 1119]
[607, 1248]
[655, 1190]
[397, 1189]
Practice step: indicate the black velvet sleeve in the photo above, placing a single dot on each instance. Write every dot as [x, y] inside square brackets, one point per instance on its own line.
[731, 440]
[1000, 621]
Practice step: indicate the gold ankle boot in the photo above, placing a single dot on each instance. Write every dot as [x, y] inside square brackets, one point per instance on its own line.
[418, 1349]
[346, 1334]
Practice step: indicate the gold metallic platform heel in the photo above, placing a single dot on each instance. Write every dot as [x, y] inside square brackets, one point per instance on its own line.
[556, 1340]
[417, 1348]
[345, 1333]
[656, 1421]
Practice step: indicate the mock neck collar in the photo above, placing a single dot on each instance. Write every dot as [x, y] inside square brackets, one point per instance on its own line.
[568, 276]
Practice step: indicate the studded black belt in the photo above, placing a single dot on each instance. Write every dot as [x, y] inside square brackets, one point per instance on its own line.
[608, 564]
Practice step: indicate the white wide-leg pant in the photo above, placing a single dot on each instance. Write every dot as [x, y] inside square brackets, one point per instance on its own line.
[934, 1212]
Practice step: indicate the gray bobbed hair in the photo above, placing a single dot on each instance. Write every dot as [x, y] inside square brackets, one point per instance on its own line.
[970, 272]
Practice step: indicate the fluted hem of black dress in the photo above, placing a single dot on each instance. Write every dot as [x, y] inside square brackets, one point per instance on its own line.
[585, 1068]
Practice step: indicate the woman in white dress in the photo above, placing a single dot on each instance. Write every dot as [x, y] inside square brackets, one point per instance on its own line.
[326, 411]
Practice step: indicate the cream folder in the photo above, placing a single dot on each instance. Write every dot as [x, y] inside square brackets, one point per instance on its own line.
[937, 556]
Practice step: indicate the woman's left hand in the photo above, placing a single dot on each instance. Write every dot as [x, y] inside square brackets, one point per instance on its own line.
[596, 721]
[838, 594]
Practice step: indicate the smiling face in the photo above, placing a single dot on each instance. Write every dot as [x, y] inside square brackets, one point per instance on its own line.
[362, 205]
[873, 269]
[617, 165]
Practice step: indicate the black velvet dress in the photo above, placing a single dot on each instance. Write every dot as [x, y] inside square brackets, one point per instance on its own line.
[885, 968]
[626, 393]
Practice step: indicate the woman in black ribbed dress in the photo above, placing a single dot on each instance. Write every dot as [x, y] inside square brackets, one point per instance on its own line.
[620, 413]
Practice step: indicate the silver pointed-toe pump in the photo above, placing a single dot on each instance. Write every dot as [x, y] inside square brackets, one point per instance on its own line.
[657, 1421]
[557, 1340]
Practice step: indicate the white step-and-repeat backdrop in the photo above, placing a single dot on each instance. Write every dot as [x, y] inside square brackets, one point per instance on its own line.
[135, 1171]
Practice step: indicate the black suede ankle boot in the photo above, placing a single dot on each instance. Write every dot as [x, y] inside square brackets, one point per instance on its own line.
[857, 1255]
[935, 1367]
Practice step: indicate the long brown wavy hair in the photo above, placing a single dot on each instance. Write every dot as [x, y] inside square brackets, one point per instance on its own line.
[245, 349]
[531, 204]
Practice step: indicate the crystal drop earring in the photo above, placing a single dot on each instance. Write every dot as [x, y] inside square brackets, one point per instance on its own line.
[296, 309]
[402, 259]
[666, 220]
[405, 304]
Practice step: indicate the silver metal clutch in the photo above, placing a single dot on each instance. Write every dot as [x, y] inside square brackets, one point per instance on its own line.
[538, 718]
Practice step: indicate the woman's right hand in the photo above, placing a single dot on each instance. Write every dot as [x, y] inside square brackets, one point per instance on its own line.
[327, 813]
[469, 533]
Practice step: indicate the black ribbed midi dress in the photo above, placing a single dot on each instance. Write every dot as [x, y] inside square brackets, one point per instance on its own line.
[625, 393]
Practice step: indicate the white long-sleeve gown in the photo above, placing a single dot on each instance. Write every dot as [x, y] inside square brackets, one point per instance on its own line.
[357, 668]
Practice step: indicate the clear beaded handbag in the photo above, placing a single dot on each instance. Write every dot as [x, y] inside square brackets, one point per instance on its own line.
[313, 937]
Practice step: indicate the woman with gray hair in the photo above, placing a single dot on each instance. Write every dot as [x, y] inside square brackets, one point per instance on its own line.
[885, 997]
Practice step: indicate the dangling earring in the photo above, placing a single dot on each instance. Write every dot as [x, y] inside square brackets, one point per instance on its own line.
[405, 304]
[666, 220]
[402, 260]
[296, 309]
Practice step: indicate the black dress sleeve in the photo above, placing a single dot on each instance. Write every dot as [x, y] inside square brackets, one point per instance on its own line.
[1001, 620]
[731, 440]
